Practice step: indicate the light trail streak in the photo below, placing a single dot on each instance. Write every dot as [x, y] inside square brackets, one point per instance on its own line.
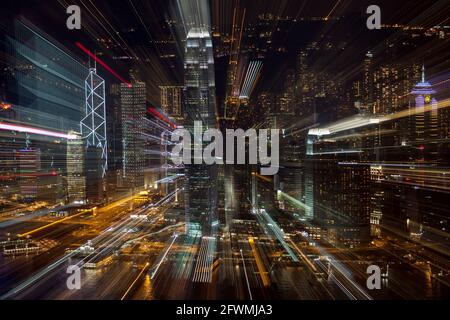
[305, 258]
[33, 215]
[54, 223]
[203, 267]
[277, 231]
[117, 203]
[294, 201]
[336, 152]
[104, 65]
[26, 25]
[179, 224]
[262, 270]
[364, 134]
[111, 242]
[26, 129]
[96, 242]
[162, 117]
[261, 177]
[165, 199]
[383, 164]
[156, 124]
[36, 277]
[246, 277]
[332, 10]
[171, 178]
[250, 79]
[346, 124]
[346, 274]
[414, 111]
[175, 236]
[121, 233]
[340, 268]
[152, 137]
[250, 70]
[134, 282]
[358, 121]
[419, 185]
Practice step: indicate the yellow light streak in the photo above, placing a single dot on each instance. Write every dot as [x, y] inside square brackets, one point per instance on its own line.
[53, 223]
[262, 270]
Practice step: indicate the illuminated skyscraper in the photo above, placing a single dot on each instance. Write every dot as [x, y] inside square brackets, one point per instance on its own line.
[76, 180]
[424, 125]
[93, 167]
[201, 182]
[29, 165]
[367, 84]
[392, 83]
[93, 125]
[171, 101]
[133, 99]
[44, 82]
[342, 202]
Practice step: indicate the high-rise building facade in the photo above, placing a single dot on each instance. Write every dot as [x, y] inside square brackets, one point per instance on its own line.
[93, 124]
[44, 83]
[171, 101]
[424, 123]
[29, 166]
[76, 180]
[342, 202]
[94, 181]
[200, 107]
[133, 102]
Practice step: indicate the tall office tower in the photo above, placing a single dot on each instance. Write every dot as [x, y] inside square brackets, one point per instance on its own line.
[291, 175]
[133, 101]
[44, 83]
[93, 125]
[392, 84]
[306, 75]
[377, 199]
[29, 165]
[114, 176]
[265, 104]
[342, 202]
[288, 180]
[306, 90]
[367, 84]
[200, 106]
[233, 79]
[93, 169]
[8, 169]
[115, 129]
[424, 125]
[308, 188]
[172, 100]
[76, 180]
[287, 99]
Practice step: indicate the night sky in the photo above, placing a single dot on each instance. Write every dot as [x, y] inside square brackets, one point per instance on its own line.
[142, 27]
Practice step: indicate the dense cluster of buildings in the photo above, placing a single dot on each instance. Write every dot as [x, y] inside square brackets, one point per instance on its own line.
[356, 152]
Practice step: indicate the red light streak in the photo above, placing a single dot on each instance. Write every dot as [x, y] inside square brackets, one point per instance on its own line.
[161, 117]
[104, 65]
